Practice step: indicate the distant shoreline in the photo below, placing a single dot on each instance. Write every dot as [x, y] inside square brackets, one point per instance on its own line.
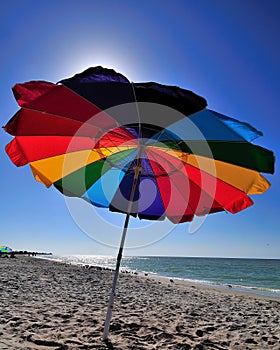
[180, 282]
[25, 252]
[143, 270]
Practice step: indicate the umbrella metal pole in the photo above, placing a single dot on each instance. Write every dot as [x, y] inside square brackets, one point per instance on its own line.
[137, 171]
[113, 291]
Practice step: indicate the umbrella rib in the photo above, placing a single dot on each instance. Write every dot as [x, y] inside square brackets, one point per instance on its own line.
[165, 159]
[159, 134]
[139, 119]
[150, 156]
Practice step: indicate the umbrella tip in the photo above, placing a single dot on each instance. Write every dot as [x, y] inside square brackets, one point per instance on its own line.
[97, 74]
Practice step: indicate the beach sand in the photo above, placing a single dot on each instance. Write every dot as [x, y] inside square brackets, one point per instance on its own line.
[51, 305]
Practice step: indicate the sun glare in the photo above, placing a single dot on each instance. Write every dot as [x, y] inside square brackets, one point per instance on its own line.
[80, 63]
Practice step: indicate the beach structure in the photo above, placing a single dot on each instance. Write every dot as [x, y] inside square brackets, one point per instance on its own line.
[143, 149]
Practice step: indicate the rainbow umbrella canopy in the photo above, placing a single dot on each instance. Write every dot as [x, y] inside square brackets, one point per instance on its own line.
[143, 149]
[5, 249]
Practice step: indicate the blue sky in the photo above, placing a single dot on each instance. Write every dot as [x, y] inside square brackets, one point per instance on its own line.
[226, 51]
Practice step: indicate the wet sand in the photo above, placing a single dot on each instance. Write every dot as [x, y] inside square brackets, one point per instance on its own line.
[49, 305]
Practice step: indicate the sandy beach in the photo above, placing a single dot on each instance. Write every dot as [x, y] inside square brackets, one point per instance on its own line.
[50, 305]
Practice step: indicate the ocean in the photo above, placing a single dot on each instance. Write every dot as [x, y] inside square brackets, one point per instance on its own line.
[261, 276]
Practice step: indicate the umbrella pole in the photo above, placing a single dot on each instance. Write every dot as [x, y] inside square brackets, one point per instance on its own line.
[113, 291]
[137, 171]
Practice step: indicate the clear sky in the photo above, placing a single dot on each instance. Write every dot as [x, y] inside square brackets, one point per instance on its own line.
[226, 51]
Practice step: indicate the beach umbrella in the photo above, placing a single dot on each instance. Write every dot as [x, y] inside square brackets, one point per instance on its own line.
[143, 149]
[5, 249]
